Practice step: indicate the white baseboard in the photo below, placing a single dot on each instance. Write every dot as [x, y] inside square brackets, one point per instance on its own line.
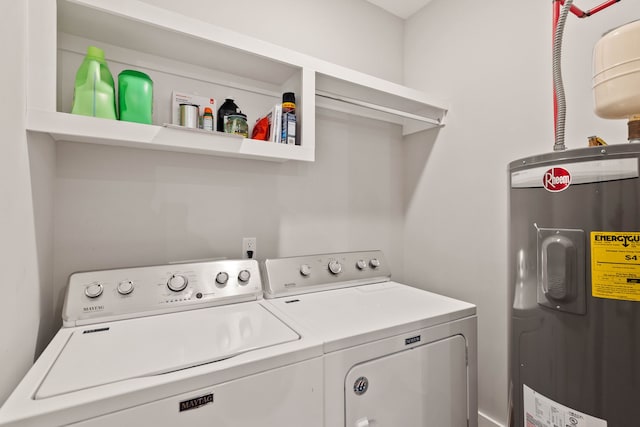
[486, 421]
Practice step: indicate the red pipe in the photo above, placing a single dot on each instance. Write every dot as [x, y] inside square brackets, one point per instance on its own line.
[582, 14]
[577, 11]
[602, 7]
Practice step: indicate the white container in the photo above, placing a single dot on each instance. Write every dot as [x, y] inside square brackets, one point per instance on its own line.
[189, 116]
[616, 73]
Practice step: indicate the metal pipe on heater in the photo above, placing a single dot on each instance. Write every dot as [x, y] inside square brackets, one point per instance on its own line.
[557, 78]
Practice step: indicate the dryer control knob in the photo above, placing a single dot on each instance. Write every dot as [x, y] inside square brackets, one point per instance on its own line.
[94, 290]
[177, 282]
[305, 269]
[335, 267]
[361, 264]
[222, 278]
[244, 276]
[125, 287]
[374, 263]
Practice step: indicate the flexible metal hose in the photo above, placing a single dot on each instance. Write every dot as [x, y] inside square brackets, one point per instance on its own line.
[561, 101]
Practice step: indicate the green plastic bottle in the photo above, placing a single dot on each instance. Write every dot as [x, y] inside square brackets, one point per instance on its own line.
[135, 97]
[94, 93]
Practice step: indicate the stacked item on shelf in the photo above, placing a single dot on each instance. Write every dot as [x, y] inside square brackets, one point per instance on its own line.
[95, 93]
[179, 114]
[279, 124]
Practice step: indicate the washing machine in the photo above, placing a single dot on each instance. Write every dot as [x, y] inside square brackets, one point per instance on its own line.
[394, 355]
[189, 344]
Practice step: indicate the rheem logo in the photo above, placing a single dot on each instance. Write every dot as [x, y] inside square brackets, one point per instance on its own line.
[556, 179]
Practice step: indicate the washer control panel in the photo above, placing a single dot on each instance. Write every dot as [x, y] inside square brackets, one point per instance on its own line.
[313, 273]
[98, 296]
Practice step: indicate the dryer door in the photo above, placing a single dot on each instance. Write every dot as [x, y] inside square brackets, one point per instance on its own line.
[424, 386]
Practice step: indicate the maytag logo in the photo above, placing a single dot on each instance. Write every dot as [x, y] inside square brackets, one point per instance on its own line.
[556, 179]
[412, 340]
[196, 402]
[93, 308]
[93, 331]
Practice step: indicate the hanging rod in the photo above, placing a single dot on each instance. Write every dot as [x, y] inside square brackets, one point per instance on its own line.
[375, 107]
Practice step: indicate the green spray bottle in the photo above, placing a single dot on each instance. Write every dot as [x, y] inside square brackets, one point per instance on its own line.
[94, 93]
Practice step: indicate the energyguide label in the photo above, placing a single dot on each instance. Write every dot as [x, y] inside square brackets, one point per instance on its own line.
[615, 265]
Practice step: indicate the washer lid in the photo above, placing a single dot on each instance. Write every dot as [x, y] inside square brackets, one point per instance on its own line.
[116, 351]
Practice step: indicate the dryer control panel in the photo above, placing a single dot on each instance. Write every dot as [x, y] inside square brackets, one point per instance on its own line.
[313, 273]
[98, 296]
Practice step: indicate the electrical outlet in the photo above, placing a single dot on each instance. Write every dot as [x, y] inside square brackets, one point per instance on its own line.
[248, 247]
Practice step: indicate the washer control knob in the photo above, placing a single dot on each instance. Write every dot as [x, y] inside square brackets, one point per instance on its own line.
[374, 263]
[361, 264]
[335, 267]
[177, 282]
[305, 270]
[125, 287]
[222, 278]
[244, 276]
[93, 290]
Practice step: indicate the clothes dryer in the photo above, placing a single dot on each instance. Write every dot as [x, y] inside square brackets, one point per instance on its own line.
[395, 355]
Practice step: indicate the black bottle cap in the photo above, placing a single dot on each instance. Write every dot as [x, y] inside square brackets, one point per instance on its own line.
[289, 97]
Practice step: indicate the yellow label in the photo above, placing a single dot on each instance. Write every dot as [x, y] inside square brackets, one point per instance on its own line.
[615, 265]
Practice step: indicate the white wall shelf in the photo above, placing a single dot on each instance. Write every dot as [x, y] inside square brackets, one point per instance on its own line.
[188, 55]
[352, 92]
[75, 128]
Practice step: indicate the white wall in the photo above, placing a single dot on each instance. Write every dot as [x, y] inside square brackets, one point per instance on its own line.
[100, 207]
[19, 288]
[126, 207]
[352, 33]
[446, 191]
[492, 60]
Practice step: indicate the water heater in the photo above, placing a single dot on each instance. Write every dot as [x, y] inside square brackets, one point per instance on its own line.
[574, 288]
[574, 266]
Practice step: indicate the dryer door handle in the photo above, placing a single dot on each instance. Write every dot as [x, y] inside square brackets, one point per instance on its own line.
[364, 422]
